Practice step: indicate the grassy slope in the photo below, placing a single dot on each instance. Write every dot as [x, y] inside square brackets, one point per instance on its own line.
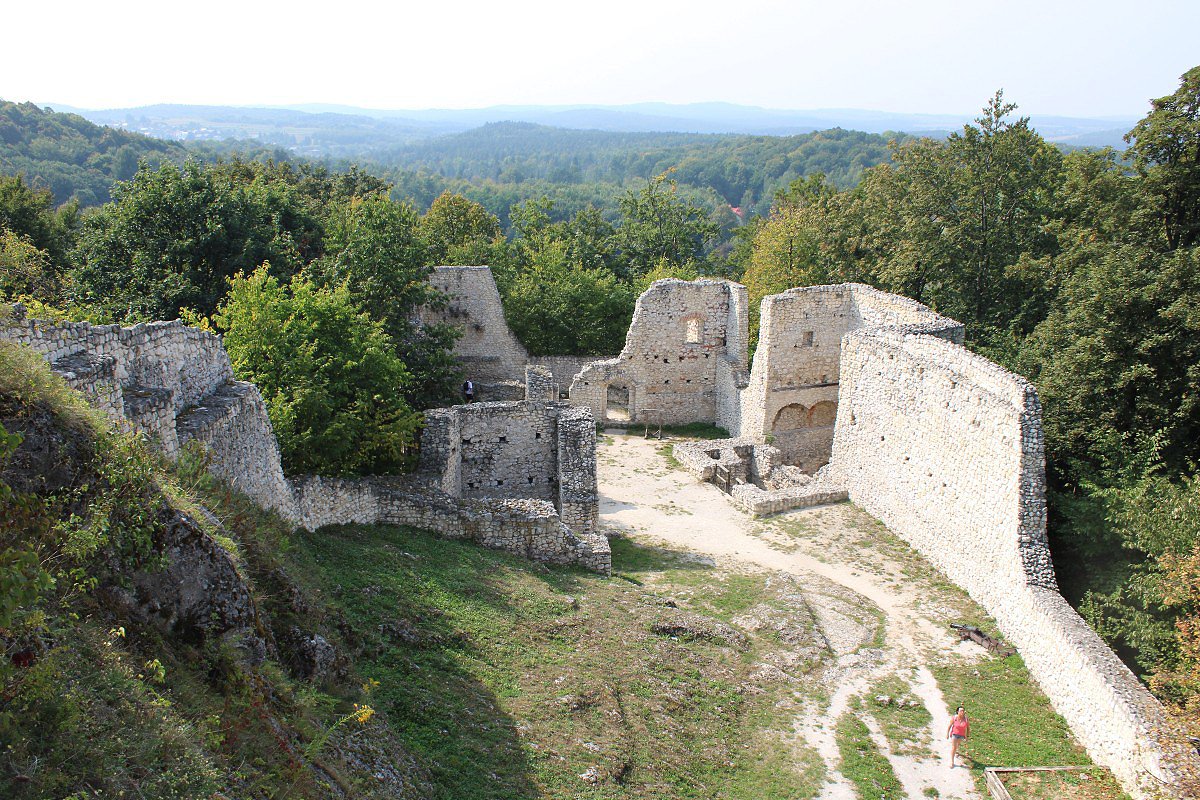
[511, 680]
[496, 677]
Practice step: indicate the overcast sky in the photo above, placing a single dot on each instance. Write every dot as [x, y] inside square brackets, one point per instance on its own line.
[1088, 58]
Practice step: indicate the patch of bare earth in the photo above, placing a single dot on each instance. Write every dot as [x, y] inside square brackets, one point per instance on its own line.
[862, 608]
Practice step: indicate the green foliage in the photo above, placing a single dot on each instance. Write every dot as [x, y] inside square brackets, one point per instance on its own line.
[459, 231]
[1115, 361]
[557, 307]
[376, 253]
[329, 374]
[24, 269]
[70, 156]
[174, 236]
[1165, 148]
[29, 213]
[657, 225]
[954, 218]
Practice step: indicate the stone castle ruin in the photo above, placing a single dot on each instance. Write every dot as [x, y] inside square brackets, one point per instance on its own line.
[175, 385]
[852, 393]
[856, 393]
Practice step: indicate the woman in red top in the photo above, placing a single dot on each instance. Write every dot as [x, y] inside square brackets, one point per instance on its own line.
[959, 730]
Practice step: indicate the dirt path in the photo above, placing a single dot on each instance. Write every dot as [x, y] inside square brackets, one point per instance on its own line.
[644, 497]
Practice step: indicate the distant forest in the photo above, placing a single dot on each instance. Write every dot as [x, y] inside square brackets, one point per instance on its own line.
[497, 165]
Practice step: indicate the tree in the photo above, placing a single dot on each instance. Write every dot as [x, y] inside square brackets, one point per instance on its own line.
[1165, 149]
[954, 218]
[557, 307]
[174, 236]
[25, 271]
[329, 374]
[459, 231]
[374, 250]
[30, 213]
[657, 224]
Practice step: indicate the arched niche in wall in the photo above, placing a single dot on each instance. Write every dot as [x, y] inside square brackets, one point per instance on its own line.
[822, 414]
[790, 418]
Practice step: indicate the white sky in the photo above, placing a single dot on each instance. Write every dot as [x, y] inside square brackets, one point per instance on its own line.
[1073, 57]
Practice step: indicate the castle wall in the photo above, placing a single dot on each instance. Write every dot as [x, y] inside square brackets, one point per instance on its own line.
[669, 365]
[232, 425]
[491, 472]
[528, 528]
[143, 375]
[487, 349]
[565, 368]
[543, 450]
[792, 391]
[506, 450]
[945, 448]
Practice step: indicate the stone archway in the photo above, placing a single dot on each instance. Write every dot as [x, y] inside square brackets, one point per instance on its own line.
[804, 434]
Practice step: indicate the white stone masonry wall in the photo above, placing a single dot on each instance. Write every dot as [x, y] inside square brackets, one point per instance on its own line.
[488, 350]
[669, 363]
[945, 448]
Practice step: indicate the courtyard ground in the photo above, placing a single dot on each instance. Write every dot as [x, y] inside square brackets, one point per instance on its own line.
[874, 701]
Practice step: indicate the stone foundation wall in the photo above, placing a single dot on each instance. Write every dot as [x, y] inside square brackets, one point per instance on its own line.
[529, 528]
[158, 368]
[945, 448]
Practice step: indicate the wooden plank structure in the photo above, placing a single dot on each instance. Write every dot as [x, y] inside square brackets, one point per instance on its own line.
[994, 777]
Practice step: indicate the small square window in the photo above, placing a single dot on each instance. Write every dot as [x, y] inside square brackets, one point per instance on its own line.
[694, 334]
[807, 340]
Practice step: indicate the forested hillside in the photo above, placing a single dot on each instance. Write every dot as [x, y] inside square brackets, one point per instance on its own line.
[70, 156]
[498, 165]
[743, 170]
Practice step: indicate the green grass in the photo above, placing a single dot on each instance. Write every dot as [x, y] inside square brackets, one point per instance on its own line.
[1089, 784]
[511, 680]
[862, 764]
[1012, 722]
[696, 430]
[904, 726]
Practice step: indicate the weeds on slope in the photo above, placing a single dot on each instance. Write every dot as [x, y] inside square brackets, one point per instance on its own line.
[507, 679]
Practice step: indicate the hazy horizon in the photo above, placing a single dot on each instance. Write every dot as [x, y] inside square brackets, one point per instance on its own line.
[1106, 61]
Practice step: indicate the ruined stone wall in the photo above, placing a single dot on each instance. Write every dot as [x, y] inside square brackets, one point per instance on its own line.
[517, 450]
[946, 449]
[232, 425]
[175, 384]
[679, 334]
[528, 528]
[565, 368]
[488, 350]
[506, 450]
[792, 391]
[144, 374]
[540, 384]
